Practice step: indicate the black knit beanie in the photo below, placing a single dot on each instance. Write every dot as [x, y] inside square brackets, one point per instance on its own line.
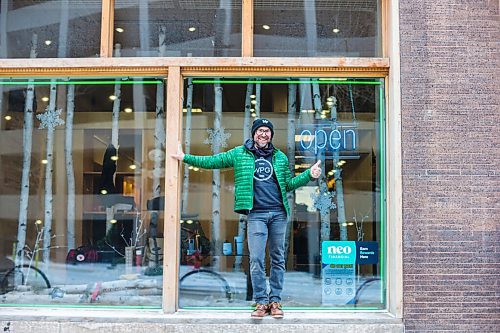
[262, 122]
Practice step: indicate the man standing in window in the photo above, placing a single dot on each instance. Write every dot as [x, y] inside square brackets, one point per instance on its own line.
[261, 178]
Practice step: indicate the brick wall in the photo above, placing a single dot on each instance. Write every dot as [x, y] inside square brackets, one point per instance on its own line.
[450, 85]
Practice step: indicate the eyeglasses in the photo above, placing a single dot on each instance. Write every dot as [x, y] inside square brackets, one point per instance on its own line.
[263, 131]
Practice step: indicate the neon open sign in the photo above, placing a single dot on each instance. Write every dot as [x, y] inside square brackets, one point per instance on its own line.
[328, 138]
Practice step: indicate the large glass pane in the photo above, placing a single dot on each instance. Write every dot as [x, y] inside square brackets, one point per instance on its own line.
[81, 177]
[49, 29]
[185, 28]
[335, 238]
[317, 28]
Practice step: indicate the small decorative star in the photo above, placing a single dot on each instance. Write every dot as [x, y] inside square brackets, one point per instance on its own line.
[50, 119]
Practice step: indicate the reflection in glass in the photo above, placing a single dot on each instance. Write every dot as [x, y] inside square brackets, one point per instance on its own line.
[335, 120]
[178, 29]
[80, 191]
[320, 28]
[49, 29]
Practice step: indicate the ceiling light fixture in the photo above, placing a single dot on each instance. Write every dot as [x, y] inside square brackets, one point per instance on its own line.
[335, 30]
[118, 29]
[45, 99]
[128, 110]
[266, 27]
[48, 42]
[8, 117]
[112, 97]
[192, 29]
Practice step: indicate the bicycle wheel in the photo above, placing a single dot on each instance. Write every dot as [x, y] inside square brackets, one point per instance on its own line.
[28, 277]
[204, 287]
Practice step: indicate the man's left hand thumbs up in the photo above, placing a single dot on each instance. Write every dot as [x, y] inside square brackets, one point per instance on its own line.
[316, 170]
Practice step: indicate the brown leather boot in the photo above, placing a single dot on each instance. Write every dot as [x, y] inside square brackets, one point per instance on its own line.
[261, 310]
[275, 309]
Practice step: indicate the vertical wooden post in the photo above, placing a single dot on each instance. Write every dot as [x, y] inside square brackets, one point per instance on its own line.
[172, 191]
[247, 28]
[107, 23]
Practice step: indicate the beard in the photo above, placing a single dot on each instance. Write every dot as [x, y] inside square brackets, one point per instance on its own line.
[261, 145]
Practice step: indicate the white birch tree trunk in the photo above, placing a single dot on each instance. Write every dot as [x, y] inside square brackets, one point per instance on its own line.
[70, 172]
[257, 100]
[162, 41]
[49, 172]
[159, 139]
[325, 218]
[311, 27]
[216, 241]
[226, 36]
[63, 29]
[187, 145]
[143, 27]
[339, 186]
[115, 119]
[25, 177]
[4, 8]
[242, 221]
[290, 152]
[116, 106]
[247, 120]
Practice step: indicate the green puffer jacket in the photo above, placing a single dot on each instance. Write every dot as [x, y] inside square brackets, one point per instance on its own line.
[243, 162]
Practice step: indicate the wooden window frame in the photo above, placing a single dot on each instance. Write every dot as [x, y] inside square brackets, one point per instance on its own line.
[176, 68]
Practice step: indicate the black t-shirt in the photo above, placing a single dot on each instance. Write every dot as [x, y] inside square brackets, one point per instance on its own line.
[266, 192]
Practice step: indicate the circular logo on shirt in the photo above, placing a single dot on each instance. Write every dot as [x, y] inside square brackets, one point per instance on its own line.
[263, 169]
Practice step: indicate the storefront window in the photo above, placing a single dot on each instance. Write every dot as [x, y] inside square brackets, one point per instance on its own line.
[81, 177]
[49, 29]
[208, 28]
[321, 28]
[335, 237]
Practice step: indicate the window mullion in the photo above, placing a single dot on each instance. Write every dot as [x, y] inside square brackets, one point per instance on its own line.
[247, 28]
[107, 22]
[172, 204]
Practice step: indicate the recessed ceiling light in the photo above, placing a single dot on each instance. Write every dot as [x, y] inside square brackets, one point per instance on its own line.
[112, 97]
[44, 161]
[266, 27]
[132, 166]
[335, 30]
[128, 110]
[113, 221]
[48, 42]
[252, 96]
[114, 158]
[38, 222]
[104, 192]
[119, 29]
[8, 117]
[192, 29]
[45, 99]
